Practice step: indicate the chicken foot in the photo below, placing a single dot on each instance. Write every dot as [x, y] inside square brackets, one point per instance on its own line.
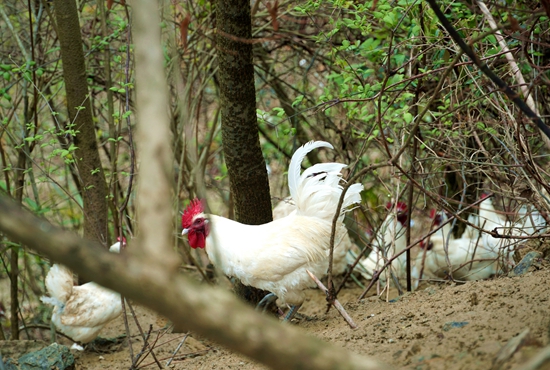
[269, 299]
[266, 301]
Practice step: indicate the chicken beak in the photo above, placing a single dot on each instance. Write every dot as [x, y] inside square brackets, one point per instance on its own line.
[184, 231]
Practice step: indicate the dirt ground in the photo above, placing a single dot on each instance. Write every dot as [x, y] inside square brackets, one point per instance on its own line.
[440, 326]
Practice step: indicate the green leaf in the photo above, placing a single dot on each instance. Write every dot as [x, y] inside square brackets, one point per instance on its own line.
[298, 100]
[279, 112]
[407, 117]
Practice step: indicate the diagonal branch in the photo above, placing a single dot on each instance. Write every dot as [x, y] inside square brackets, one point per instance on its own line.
[210, 312]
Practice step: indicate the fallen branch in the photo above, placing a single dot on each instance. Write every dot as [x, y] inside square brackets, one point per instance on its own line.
[211, 312]
[335, 302]
[177, 350]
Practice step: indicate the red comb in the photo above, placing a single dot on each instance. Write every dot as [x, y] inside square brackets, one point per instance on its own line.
[438, 219]
[123, 240]
[193, 209]
[484, 195]
[401, 207]
[432, 213]
[422, 244]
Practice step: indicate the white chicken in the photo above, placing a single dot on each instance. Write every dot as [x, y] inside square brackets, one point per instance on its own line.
[341, 257]
[489, 219]
[80, 312]
[464, 258]
[529, 223]
[475, 257]
[390, 240]
[276, 255]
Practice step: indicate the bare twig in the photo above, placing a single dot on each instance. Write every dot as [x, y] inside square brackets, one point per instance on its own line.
[127, 327]
[335, 303]
[509, 56]
[145, 338]
[177, 349]
[143, 349]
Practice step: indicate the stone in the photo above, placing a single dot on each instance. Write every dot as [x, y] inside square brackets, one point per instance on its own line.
[454, 324]
[526, 262]
[55, 356]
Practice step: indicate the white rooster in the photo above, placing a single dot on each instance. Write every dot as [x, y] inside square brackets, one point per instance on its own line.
[276, 255]
[80, 312]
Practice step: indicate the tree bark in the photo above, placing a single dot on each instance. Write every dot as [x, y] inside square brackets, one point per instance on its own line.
[155, 190]
[248, 180]
[207, 311]
[91, 175]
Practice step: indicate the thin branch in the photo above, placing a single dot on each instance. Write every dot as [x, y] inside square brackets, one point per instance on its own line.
[335, 303]
[512, 95]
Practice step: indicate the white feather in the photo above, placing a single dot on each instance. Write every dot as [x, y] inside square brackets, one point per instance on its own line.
[343, 246]
[295, 164]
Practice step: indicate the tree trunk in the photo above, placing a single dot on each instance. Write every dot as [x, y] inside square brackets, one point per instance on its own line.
[248, 180]
[91, 175]
[155, 190]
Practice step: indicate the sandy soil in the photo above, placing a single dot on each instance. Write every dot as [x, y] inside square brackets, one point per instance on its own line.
[440, 326]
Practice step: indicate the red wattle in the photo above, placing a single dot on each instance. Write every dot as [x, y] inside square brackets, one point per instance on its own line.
[197, 240]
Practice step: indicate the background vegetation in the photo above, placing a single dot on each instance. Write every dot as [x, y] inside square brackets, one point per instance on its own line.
[357, 74]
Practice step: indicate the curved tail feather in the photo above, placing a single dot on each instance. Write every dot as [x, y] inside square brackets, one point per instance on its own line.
[317, 190]
[296, 163]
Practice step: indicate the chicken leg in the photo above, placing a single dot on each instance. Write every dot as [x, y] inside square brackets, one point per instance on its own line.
[291, 312]
[266, 301]
[269, 299]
